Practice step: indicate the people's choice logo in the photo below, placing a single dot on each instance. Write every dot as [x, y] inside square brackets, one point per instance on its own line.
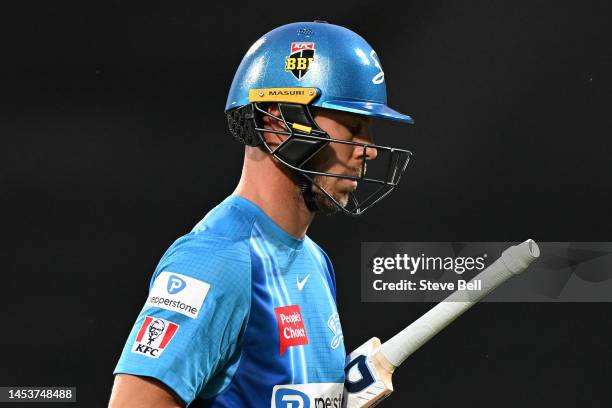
[313, 395]
[379, 78]
[291, 328]
[334, 325]
[175, 284]
[178, 293]
[153, 336]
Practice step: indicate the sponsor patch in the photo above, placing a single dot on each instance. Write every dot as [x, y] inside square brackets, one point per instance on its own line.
[301, 57]
[313, 395]
[291, 328]
[178, 293]
[153, 336]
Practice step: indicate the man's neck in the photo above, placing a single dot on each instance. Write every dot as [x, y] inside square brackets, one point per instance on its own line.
[264, 183]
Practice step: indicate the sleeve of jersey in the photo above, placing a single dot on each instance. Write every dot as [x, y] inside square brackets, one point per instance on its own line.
[195, 313]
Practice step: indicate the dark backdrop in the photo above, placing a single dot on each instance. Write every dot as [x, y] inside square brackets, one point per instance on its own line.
[114, 144]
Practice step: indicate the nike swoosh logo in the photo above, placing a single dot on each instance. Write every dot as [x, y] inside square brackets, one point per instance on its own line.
[300, 284]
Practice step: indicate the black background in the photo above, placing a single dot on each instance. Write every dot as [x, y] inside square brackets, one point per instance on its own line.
[114, 144]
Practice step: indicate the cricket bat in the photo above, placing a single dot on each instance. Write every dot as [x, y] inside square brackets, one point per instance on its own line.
[369, 367]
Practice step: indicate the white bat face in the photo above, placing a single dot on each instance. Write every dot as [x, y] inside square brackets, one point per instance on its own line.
[368, 378]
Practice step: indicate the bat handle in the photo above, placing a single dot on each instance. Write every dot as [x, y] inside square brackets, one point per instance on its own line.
[513, 261]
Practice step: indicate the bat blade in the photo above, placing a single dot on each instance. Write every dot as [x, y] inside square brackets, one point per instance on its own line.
[369, 367]
[368, 376]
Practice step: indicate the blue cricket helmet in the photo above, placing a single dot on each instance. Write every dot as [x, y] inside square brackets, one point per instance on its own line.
[315, 63]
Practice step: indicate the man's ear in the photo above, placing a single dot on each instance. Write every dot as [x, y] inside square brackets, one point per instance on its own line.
[272, 123]
[273, 139]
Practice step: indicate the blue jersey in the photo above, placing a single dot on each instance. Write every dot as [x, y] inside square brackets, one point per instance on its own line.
[241, 314]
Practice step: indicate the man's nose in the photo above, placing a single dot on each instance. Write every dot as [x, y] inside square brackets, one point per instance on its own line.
[369, 152]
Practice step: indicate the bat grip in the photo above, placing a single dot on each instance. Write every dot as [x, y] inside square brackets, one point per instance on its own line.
[513, 261]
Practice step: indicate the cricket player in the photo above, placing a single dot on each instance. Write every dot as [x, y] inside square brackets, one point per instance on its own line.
[241, 311]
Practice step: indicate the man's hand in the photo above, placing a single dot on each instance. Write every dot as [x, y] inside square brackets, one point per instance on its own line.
[130, 391]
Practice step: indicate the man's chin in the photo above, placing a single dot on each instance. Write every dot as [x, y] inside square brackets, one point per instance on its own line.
[326, 206]
[340, 190]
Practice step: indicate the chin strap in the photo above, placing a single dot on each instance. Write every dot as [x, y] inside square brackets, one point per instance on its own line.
[307, 194]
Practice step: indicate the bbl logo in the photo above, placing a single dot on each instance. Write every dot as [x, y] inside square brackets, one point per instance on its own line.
[302, 55]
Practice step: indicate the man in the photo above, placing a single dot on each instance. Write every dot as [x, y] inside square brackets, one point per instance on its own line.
[242, 310]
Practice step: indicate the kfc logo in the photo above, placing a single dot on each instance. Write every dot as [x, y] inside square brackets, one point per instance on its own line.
[153, 336]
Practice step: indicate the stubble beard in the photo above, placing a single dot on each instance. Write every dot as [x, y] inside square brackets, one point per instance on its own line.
[324, 204]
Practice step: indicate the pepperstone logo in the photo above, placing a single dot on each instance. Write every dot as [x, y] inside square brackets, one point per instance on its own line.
[289, 398]
[153, 336]
[175, 284]
[312, 395]
[178, 293]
